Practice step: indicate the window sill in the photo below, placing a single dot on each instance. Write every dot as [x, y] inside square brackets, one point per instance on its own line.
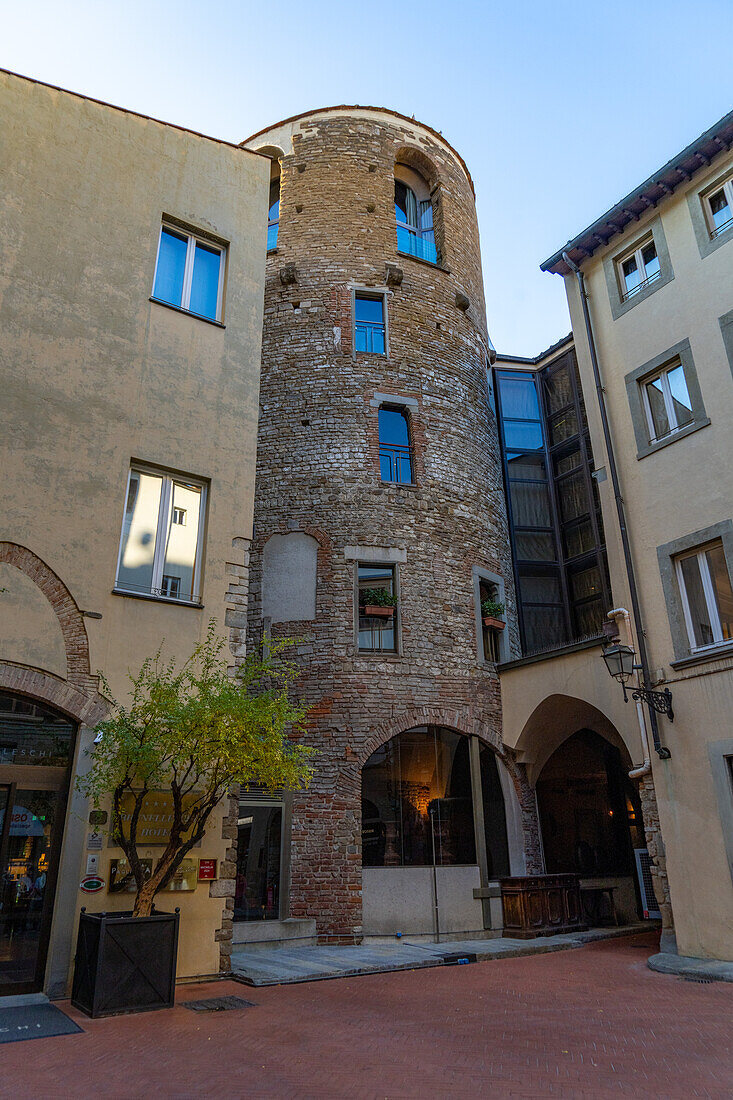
[672, 437]
[378, 655]
[410, 486]
[702, 656]
[157, 599]
[188, 313]
[425, 263]
[272, 251]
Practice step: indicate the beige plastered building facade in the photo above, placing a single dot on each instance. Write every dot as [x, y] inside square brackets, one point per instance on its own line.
[97, 376]
[677, 491]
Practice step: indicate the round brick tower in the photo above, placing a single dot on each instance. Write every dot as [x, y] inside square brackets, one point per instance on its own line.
[378, 470]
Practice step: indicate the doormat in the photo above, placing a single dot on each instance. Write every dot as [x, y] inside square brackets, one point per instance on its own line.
[34, 1022]
[218, 1004]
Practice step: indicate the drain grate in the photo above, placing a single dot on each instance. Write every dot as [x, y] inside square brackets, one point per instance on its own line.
[699, 981]
[219, 1004]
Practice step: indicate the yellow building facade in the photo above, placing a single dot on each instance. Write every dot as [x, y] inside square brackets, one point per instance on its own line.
[650, 290]
[131, 293]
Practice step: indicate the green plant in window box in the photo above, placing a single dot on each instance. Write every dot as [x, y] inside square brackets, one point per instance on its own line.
[377, 602]
[491, 610]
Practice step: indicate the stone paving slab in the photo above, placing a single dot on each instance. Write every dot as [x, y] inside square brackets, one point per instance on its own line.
[686, 966]
[287, 965]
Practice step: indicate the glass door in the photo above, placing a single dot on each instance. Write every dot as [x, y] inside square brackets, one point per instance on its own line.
[35, 749]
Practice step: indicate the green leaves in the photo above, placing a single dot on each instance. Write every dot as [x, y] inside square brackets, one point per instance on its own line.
[198, 730]
[376, 597]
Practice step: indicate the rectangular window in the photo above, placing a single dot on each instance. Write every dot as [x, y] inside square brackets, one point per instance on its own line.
[369, 324]
[179, 516]
[707, 597]
[667, 402]
[377, 608]
[638, 269]
[159, 556]
[189, 273]
[718, 205]
[491, 618]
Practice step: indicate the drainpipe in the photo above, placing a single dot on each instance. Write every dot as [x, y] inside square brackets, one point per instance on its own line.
[638, 771]
[660, 749]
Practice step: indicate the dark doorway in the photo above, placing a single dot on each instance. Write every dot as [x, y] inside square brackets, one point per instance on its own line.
[589, 809]
[35, 753]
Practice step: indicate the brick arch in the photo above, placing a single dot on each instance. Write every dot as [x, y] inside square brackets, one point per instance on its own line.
[70, 618]
[414, 158]
[43, 687]
[460, 721]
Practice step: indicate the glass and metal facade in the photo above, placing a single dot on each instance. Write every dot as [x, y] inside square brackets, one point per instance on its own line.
[558, 545]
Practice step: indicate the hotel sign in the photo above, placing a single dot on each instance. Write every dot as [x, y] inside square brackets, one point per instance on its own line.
[156, 817]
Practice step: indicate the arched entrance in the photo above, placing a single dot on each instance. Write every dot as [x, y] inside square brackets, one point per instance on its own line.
[590, 816]
[36, 749]
[433, 832]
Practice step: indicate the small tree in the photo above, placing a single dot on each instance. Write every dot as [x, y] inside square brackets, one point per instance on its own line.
[194, 731]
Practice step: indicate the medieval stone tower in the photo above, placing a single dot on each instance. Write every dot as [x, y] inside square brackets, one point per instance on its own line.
[380, 527]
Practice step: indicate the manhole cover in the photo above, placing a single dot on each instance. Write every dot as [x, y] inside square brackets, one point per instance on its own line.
[218, 1004]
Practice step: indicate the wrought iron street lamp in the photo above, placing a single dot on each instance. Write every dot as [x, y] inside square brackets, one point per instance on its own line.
[620, 663]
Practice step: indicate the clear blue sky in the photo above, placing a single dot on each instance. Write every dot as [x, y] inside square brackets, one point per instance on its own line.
[559, 107]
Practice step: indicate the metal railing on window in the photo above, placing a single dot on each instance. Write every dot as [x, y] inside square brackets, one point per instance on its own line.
[369, 336]
[414, 244]
[721, 229]
[169, 591]
[640, 286]
[395, 463]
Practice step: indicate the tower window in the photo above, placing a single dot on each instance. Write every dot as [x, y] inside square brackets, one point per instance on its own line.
[377, 608]
[369, 324]
[395, 460]
[414, 215]
[273, 215]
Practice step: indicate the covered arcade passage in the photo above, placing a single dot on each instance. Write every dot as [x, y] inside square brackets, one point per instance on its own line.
[434, 828]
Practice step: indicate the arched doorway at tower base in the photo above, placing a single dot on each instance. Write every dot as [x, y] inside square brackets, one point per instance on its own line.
[434, 835]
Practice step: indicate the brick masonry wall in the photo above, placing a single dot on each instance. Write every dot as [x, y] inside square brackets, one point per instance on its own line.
[318, 472]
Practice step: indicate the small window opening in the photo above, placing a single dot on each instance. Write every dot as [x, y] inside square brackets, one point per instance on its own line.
[492, 620]
[369, 325]
[414, 215]
[377, 608]
[395, 459]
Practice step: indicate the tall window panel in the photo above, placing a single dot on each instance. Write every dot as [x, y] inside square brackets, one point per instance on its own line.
[162, 535]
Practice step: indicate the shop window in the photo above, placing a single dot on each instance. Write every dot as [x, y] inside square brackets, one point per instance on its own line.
[395, 460]
[160, 556]
[370, 329]
[414, 215]
[417, 806]
[189, 273]
[377, 608]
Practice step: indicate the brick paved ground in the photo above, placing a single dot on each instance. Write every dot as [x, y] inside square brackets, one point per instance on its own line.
[593, 1022]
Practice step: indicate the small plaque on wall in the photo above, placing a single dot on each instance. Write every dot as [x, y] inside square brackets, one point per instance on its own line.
[184, 879]
[207, 870]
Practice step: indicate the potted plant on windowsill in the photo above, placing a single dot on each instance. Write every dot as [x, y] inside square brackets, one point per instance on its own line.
[377, 602]
[491, 610]
[192, 732]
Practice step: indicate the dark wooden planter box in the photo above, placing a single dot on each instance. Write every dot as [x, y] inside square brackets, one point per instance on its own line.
[125, 963]
[379, 612]
[541, 905]
[497, 624]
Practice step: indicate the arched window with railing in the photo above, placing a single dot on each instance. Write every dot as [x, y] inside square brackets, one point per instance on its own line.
[414, 215]
[395, 452]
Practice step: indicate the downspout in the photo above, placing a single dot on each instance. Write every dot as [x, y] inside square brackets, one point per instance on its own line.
[645, 767]
[660, 749]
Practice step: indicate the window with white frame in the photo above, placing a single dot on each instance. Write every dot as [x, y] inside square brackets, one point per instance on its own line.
[189, 273]
[666, 401]
[718, 205]
[638, 269]
[707, 597]
[159, 555]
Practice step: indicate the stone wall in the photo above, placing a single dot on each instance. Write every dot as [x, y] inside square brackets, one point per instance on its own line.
[318, 473]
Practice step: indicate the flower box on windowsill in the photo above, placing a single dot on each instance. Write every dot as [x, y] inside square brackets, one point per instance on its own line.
[497, 624]
[375, 611]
